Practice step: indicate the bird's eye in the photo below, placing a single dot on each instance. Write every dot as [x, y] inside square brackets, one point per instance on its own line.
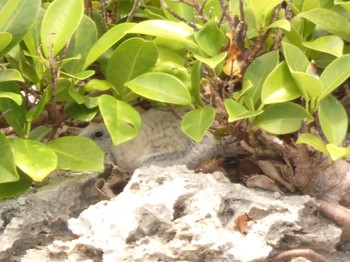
[98, 134]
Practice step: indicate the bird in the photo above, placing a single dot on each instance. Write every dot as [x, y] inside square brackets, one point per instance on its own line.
[160, 142]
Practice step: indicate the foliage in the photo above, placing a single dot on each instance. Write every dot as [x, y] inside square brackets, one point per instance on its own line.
[279, 66]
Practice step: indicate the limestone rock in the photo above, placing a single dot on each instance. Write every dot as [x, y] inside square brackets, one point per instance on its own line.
[173, 214]
[40, 216]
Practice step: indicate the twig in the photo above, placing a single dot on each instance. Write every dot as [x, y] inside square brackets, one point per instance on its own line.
[193, 25]
[133, 10]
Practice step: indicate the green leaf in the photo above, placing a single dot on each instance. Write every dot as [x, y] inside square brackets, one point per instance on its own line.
[131, 58]
[13, 96]
[212, 62]
[106, 41]
[11, 75]
[296, 59]
[336, 152]
[209, 38]
[122, 120]
[160, 87]
[78, 153]
[5, 40]
[81, 43]
[309, 85]
[255, 77]
[335, 74]
[282, 118]
[333, 120]
[97, 85]
[279, 86]
[38, 165]
[261, 10]
[197, 122]
[329, 44]
[172, 31]
[15, 114]
[237, 112]
[80, 75]
[35, 111]
[196, 75]
[345, 4]
[13, 189]
[330, 21]
[59, 23]
[313, 141]
[281, 23]
[15, 19]
[8, 171]
[80, 112]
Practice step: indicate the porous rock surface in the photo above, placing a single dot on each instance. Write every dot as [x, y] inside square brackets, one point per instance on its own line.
[173, 214]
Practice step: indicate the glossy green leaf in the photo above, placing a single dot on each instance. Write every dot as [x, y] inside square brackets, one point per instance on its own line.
[11, 75]
[97, 85]
[15, 19]
[74, 93]
[282, 118]
[261, 10]
[39, 133]
[13, 189]
[329, 44]
[160, 87]
[210, 39]
[59, 23]
[81, 43]
[13, 96]
[333, 120]
[255, 77]
[309, 85]
[281, 23]
[336, 152]
[131, 58]
[171, 31]
[313, 141]
[106, 41]
[237, 112]
[212, 62]
[77, 153]
[279, 86]
[8, 171]
[330, 21]
[296, 59]
[14, 113]
[343, 3]
[335, 74]
[5, 39]
[122, 120]
[37, 165]
[80, 75]
[196, 123]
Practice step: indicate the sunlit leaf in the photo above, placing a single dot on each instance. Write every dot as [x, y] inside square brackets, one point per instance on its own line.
[11, 75]
[36, 165]
[330, 21]
[196, 122]
[160, 87]
[333, 120]
[313, 141]
[329, 44]
[212, 62]
[77, 153]
[5, 39]
[336, 152]
[59, 23]
[122, 120]
[237, 112]
[283, 118]
[279, 86]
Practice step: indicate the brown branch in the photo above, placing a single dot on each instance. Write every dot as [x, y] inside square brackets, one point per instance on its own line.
[133, 10]
[193, 25]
